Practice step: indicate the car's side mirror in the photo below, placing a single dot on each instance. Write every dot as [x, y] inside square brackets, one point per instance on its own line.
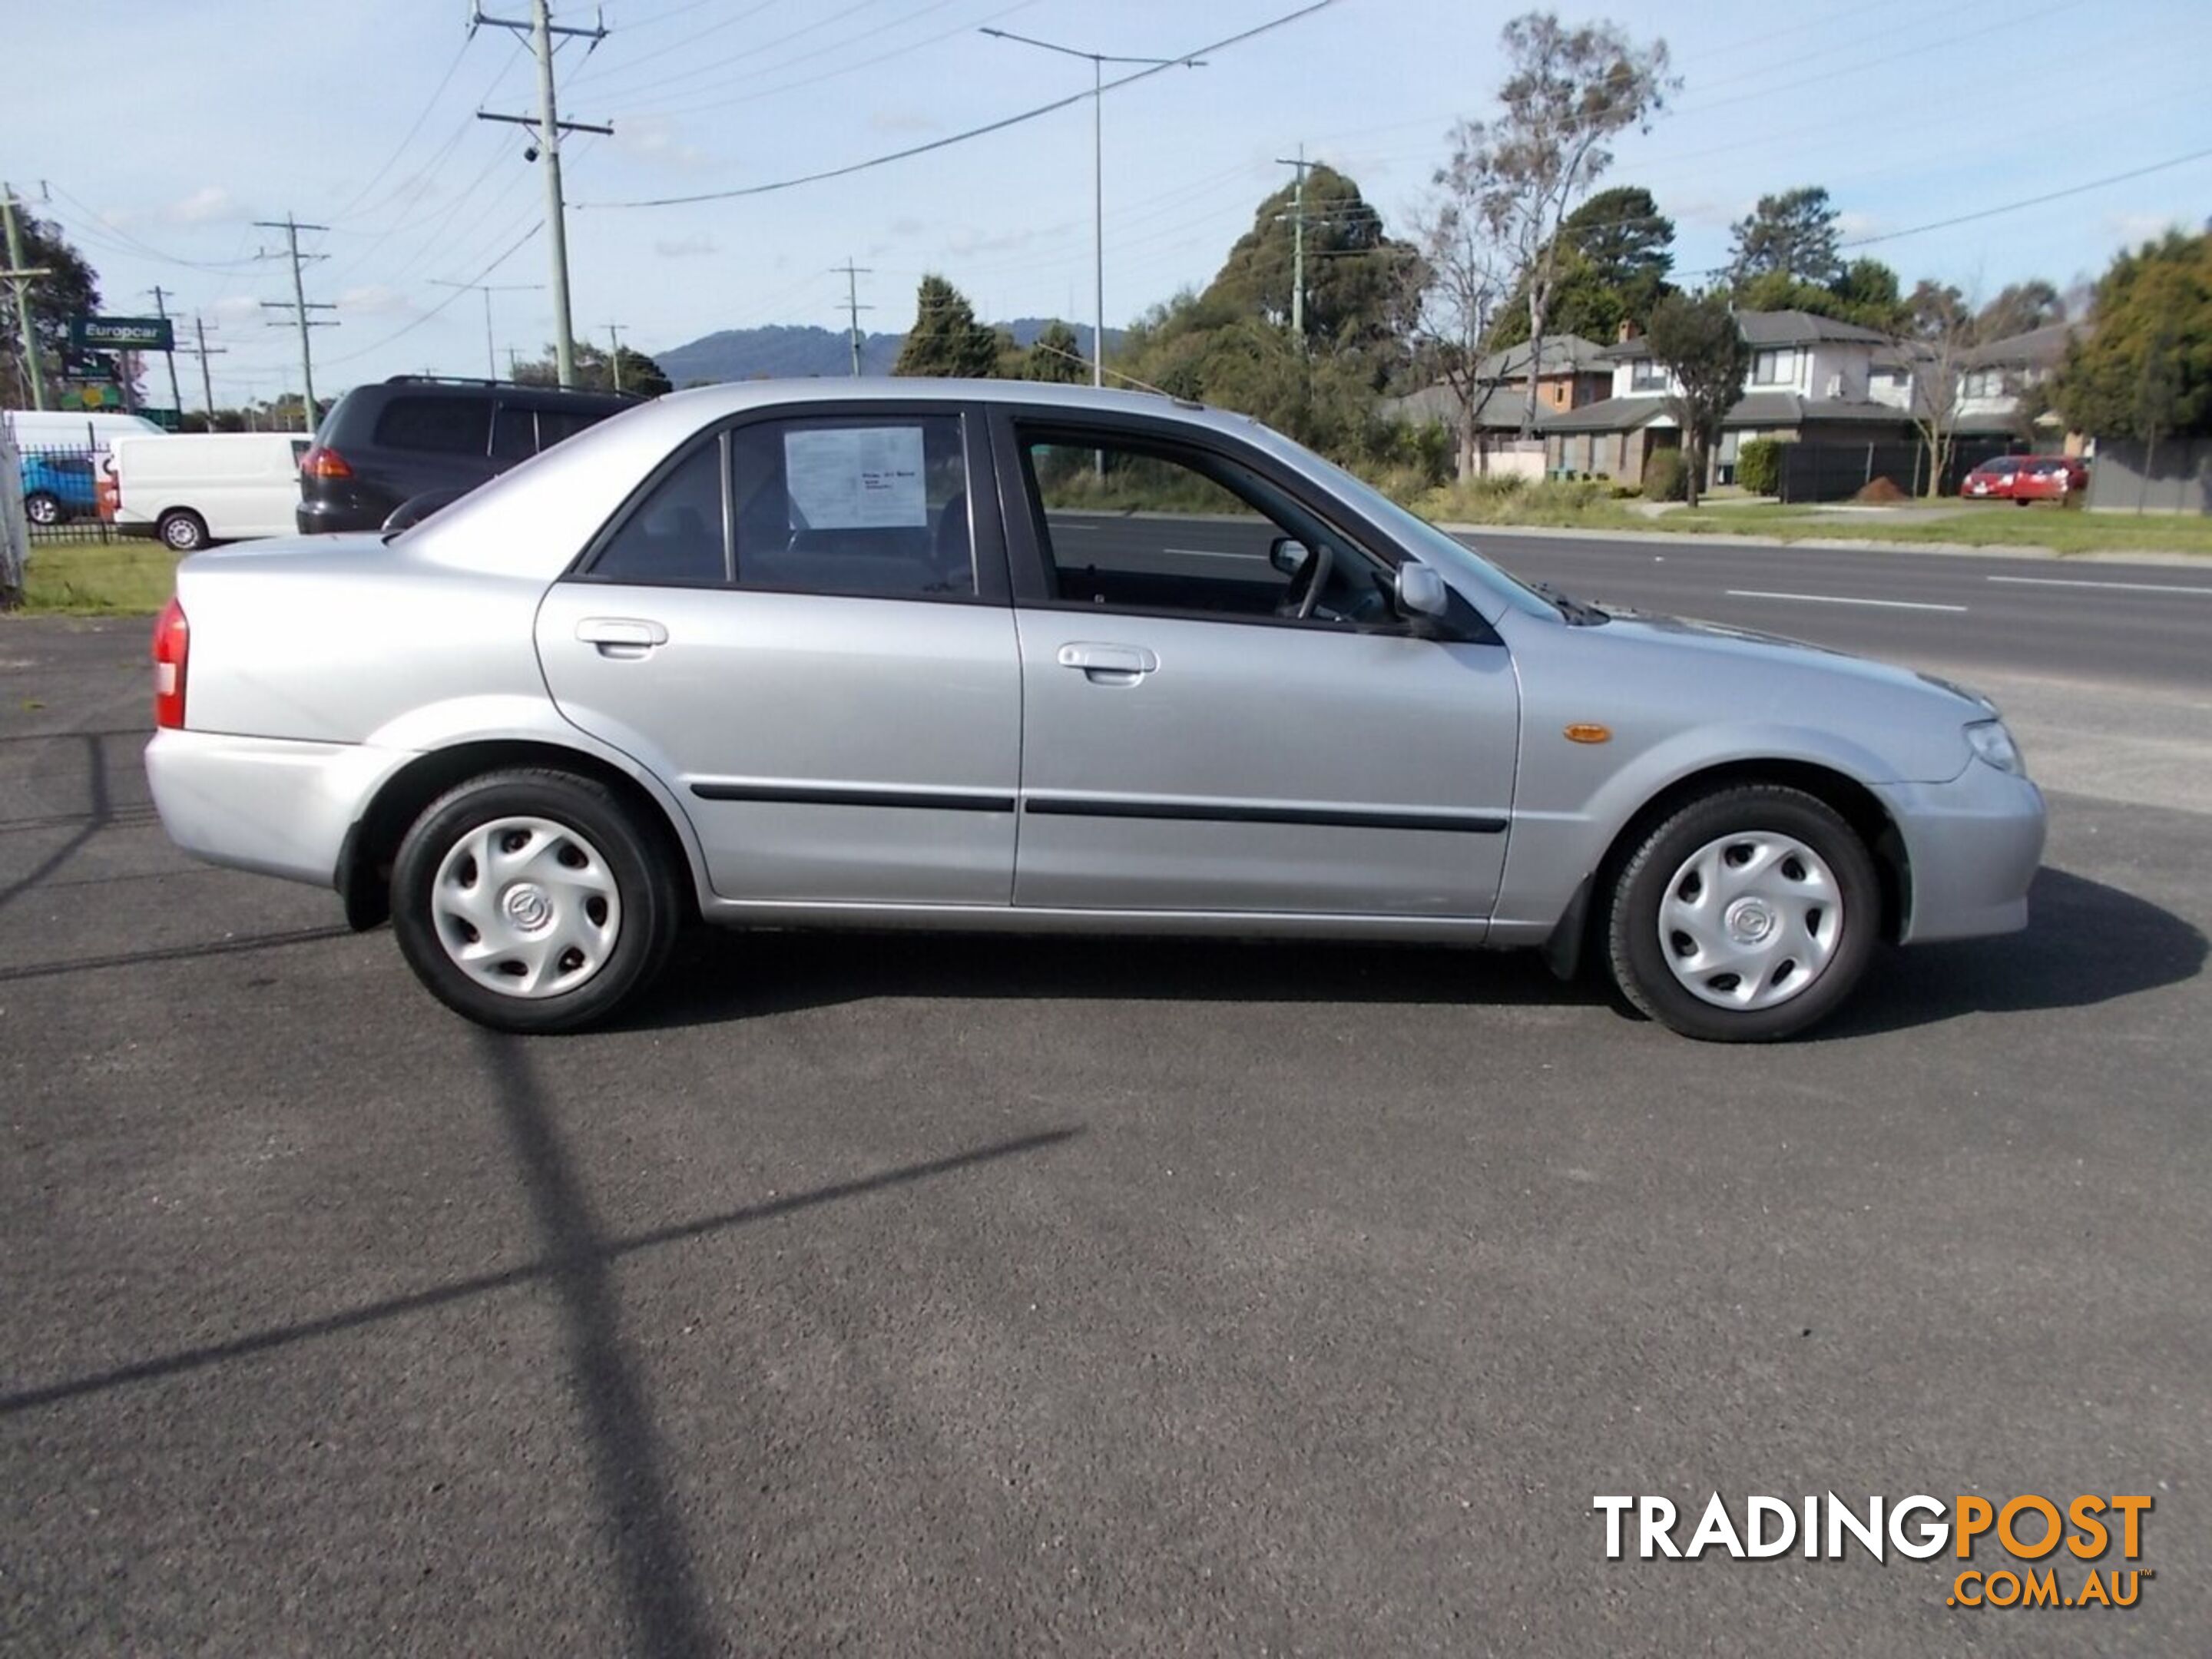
[1288, 556]
[1421, 592]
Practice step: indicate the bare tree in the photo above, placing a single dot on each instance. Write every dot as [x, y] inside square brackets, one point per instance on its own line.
[1939, 332]
[1461, 277]
[1571, 91]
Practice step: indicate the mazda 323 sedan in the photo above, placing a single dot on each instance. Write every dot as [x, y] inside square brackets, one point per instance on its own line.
[1009, 656]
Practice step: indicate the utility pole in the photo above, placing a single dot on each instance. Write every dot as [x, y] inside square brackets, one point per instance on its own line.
[203, 350]
[21, 274]
[300, 306]
[1299, 246]
[491, 356]
[614, 357]
[542, 28]
[1098, 62]
[162, 310]
[852, 305]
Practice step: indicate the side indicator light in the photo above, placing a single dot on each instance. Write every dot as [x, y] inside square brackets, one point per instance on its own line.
[1588, 731]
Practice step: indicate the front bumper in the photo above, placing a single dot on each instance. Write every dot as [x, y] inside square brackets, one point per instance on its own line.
[1973, 845]
[271, 805]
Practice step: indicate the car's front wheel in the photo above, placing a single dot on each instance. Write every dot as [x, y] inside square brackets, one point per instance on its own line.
[1748, 915]
[533, 901]
[43, 509]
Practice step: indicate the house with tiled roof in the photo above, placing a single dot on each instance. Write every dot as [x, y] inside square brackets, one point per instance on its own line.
[1812, 380]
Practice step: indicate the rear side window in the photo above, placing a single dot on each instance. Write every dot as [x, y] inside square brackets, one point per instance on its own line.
[872, 507]
[438, 426]
[865, 507]
[555, 424]
[675, 535]
[514, 434]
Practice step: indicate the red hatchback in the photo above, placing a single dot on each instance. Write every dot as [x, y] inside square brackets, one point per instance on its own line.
[2049, 478]
[1994, 479]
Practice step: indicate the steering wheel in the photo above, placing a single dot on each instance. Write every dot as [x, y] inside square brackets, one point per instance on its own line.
[1305, 587]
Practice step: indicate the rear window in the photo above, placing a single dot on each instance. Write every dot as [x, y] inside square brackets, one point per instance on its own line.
[555, 424]
[438, 426]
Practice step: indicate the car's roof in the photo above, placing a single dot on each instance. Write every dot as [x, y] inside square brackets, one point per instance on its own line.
[740, 395]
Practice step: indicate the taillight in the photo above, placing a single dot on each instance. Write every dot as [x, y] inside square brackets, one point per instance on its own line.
[321, 462]
[171, 643]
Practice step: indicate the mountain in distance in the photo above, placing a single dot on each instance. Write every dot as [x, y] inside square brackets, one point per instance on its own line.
[783, 351]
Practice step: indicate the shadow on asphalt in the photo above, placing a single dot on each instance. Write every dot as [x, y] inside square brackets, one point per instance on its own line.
[2086, 944]
[661, 1594]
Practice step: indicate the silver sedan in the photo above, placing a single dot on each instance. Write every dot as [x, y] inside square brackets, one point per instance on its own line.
[996, 655]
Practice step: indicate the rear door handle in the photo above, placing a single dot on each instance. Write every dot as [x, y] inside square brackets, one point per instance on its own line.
[1108, 664]
[622, 636]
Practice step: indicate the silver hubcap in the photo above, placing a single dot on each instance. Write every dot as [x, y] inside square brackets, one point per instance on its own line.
[525, 907]
[1751, 920]
[182, 534]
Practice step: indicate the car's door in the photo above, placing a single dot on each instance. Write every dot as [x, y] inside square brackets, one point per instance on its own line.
[1189, 742]
[803, 628]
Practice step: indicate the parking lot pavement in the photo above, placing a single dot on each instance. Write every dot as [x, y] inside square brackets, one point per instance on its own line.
[921, 1295]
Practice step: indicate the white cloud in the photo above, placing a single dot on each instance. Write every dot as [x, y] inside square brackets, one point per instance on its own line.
[655, 139]
[903, 120]
[2134, 227]
[376, 300]
[687, 247]
[1851, 225]
[236, 309]
[204, 206]
[907, 227]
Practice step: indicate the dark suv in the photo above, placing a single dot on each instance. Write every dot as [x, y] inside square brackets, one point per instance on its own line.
[412, 434]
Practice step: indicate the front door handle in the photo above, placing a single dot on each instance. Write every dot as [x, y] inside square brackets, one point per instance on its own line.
[622, 636]
[1108, 664]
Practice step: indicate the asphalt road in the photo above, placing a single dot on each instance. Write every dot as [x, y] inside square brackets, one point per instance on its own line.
[917, 1296]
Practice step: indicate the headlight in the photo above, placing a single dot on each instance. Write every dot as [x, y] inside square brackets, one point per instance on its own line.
[1990, 740]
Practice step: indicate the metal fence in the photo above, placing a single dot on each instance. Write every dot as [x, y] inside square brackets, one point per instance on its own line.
[2128, 477]
[60, 486]
[1835, 472]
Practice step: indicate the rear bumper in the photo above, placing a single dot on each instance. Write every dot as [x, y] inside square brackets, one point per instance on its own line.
[333, 518]
[269, 805]
[1974, 845]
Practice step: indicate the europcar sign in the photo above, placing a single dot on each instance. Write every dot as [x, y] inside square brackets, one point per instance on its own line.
[122, 334]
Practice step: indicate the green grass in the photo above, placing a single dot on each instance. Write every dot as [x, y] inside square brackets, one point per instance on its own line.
[1583, 505]
[114, 579]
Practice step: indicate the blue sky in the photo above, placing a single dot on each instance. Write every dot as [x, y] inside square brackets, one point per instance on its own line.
[227, 110]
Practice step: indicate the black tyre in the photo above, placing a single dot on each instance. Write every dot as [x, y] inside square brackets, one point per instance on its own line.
[184, 532]
[43, 509]
[533, 901]
[1747, 915]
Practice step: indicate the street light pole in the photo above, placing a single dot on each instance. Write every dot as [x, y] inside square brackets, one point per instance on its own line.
[1098, 62]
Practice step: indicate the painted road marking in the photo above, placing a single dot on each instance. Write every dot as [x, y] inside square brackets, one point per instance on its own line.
[1831, 599]
[2123, 587]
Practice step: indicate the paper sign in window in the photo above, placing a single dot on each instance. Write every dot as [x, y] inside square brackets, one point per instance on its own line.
[855, 478]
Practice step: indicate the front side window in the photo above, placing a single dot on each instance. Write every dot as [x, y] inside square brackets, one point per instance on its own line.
[514, 434]
[1131, 524]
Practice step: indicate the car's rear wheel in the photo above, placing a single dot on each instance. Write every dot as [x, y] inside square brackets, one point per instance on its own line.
[1748, 915]
[43, 509]
[533, 901]
[186, 532]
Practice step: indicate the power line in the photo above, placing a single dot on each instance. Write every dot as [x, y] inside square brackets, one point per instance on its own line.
[1000, 126]
[491, 354]
[429, 104]
[2031, 201]
[400, 333]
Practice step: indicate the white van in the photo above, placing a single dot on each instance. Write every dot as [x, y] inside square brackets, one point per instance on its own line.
[195, 488]
[55, 429]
